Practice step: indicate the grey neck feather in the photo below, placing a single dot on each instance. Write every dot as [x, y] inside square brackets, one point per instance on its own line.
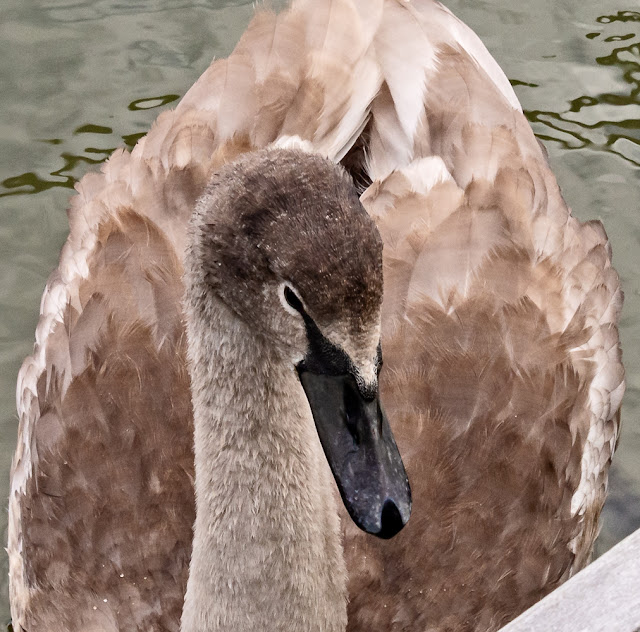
[266, 554]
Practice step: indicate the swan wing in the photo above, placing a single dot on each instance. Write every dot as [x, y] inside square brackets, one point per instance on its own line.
[502, 377]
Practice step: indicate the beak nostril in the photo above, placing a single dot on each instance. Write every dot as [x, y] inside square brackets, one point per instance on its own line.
[391, 521]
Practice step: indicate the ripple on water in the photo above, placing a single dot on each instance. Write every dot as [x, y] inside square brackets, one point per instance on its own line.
[75, 165]
[603, 121]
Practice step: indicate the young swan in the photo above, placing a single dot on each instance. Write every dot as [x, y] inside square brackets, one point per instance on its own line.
[283, 280]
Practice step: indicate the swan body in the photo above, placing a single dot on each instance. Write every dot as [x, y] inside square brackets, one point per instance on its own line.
[502, 375]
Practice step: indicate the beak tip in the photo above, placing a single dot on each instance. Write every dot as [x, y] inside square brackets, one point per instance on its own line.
[392, 520]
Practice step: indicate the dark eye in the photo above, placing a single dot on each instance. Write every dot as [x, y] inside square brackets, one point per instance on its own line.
[292, 298]
[379, 359]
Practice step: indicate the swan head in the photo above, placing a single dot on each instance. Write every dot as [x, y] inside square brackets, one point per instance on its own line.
[281, 238]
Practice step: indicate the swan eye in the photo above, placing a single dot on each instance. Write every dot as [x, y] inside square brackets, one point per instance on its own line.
[293, 300]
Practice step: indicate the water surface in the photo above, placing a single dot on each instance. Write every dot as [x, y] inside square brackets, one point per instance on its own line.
[82, 78]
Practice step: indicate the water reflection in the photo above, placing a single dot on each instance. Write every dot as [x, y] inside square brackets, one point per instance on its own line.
[149, 103]
[96, 9]
[30, 182]
[571, 129]
[620, 136]
[621, 16]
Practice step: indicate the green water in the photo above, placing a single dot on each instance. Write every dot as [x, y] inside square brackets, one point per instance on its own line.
[79, 79]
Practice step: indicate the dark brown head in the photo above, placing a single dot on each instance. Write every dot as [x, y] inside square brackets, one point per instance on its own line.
[278, 215]
[280, 238]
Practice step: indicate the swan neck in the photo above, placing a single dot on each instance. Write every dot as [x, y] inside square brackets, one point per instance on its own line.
[266, 553]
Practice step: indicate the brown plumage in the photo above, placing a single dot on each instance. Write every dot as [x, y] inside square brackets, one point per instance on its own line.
[502, 377]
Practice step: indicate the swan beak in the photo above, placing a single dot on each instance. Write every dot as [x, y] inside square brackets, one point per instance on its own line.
[361, 451]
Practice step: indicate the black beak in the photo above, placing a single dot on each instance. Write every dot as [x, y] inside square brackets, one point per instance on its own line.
[361, 451]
